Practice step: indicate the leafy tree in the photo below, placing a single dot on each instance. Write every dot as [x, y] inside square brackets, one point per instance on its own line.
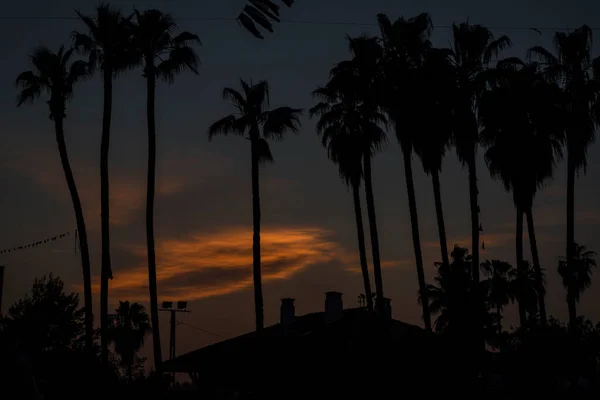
[129, 328]
[163, 55]
[577, 276]
[55, 74]
[500, 288]
[578, 74]
[108, 44]
[253, 114]
[261, 13]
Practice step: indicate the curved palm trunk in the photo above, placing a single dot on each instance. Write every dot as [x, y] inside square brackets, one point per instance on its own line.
[435, 177]
[571, 303]
[361, 245]
[81, 230]
[151, 182]
[520, 272]
[539, 279]
[106, 272]
[256, 272]
[414, 223]
[380, 300]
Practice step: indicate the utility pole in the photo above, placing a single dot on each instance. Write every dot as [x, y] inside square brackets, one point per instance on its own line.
[168, 306]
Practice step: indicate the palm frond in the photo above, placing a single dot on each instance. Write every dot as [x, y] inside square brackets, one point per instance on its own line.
[264, 152]
[226, 126]
[235, 98]
[281, 120]
[184, 38]
[180, 59]
[494, 48]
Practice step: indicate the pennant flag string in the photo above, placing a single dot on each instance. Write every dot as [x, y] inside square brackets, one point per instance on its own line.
[38, 243]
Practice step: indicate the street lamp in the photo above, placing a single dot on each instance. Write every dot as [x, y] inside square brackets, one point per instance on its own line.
[181, 306]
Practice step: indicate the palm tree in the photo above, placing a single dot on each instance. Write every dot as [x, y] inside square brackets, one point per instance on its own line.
[521, 130]
[128, 331]
[260, 12]
[473, 48]
[405, 43]
[579, 76]
[577, 276]
[55, 74]
[525, 291]
[361, 80]
[163, 55]
[499, 283]
[337, 125]
[253, 114]
[108, 46]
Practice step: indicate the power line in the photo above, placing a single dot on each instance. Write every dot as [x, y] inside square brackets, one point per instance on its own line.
[200, 329]
[293, 21]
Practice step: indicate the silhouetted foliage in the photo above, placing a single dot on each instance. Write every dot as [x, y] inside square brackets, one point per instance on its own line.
[577, 277]
[262, 13]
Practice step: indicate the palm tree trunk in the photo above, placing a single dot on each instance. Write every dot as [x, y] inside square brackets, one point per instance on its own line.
[473, 196]
[361, 245]
[256, 271]
[520, 271]
[81, 230]
[539, 279]
[106, 272]
[435, 177]
[151, 182]
[414, 223]
[571, 303]
[380, 300]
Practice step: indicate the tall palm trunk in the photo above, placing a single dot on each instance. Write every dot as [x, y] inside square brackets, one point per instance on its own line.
[106, 272]
[81, 230]
[473, 198]
[151, 182]
[361, 245]
[539, 279]
[520, 269]
[435, 177]
[414, 223]
[380, 300]
[256, 271]
[571, 238]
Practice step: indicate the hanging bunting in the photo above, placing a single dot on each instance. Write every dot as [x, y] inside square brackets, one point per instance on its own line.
[38, 242]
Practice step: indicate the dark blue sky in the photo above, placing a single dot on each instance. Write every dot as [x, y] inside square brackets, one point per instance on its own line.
[203, 214]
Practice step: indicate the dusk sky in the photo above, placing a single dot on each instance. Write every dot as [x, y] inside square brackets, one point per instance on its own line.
[203, 207]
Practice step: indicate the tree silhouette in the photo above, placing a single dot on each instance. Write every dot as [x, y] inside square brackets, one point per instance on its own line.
[577, 276]
[55, 75]
[524, 289]
[340, 122]
[499, 282]
[163, 55]
[261, 13]
[128, 332]
[361, 79]
[405, 43]
[253, 114]
[473, 47]
[109, 47]
[520, 117]
[579, 76]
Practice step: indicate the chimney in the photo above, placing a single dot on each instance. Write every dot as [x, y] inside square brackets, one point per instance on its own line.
[333, 306]
[288, 312]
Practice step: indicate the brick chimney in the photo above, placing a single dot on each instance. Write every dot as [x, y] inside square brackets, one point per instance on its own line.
[288, 312]
[334, 306]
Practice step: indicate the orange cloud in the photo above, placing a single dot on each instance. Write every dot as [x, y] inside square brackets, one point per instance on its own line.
[219, 263]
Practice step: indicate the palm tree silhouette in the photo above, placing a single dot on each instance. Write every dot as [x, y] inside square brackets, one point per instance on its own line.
[128, 330]
[55, 74]
[253, 114]
[163, 55]
[340, 121]
[578, 73]
[260, 12]
[473, 48]
[520, 117]
[499, 284]
[361, 79]
[109, 48]
[577, 276]
[525, 291]
[405, 43]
